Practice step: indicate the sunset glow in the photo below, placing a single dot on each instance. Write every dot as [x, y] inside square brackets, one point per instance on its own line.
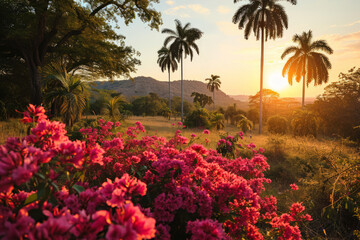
[277, 82]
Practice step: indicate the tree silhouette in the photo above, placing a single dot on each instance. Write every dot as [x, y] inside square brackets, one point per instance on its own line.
[306, 62]
[167, 61]
[201, 99]
[267, 20]
[213, 84]
[183, 42]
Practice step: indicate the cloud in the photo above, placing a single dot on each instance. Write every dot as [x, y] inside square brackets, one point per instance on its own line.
[175, 11]
[355, 36]
[183, 10]
[347, 25]
[345, 46]
[199, 9]
[223, 9]
[170, 2]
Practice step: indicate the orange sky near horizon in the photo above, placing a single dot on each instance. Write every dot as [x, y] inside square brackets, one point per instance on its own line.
[225, 52]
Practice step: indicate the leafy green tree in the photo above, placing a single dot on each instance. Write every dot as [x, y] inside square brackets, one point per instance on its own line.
[267, 19]
[182, 44]
[304, 123]
[213, 84]
[200, 117]
[307, 62]
[269, 98]
[167, 60]
[339, 106]
[65, 93]
[176, 103]
[150, 105]
[14, 84]
[201, 99]
[39, 31]
[277, 124]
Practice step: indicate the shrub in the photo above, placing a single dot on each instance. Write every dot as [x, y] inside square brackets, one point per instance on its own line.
[117, 185]
[304, 123]
[217, 119]
[198, 118]
[277, 124]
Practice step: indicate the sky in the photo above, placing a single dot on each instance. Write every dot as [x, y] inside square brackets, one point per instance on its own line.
[225, 52]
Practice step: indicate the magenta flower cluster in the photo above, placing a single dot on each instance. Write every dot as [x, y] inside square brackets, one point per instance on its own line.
[123, 184]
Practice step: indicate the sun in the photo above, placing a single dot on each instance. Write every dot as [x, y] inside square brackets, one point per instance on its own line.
[277, 82]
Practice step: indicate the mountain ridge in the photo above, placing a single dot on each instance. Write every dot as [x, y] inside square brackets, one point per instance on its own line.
[142, 86]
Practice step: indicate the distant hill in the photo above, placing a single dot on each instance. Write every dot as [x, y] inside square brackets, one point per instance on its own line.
[245, 99]
[142, 86]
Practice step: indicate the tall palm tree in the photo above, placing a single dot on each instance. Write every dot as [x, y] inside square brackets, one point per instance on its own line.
[213, 84]
[65, 93]
[183, 42]
[307, 62]
[267, 20]
[166, 60]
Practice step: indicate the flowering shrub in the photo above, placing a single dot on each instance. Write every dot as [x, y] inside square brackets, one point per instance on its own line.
[127, 185]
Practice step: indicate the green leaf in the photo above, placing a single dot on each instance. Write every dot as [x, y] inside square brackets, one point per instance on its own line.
[55, 186]
[32, 198]
[78, 188]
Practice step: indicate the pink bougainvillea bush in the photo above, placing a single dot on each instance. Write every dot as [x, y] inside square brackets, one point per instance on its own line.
[123, 184]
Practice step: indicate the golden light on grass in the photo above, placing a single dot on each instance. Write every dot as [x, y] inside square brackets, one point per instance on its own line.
[277, 82]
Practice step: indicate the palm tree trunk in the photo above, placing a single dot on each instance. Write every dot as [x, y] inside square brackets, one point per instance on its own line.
[169, 95]
[214, 99]
[304, 80]
[261, 76]
[182, 100]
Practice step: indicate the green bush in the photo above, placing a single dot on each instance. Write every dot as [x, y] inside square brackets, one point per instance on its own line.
[198, 118]
[304, 123]
[277, 124]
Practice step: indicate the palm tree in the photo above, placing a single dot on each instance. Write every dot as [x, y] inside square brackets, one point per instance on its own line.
[307, 62]
[167, 61]
[65, 93]
[111, 108]
[245, 124]
[183, 43]
[213, 84]
[266, 19]
[218, 121]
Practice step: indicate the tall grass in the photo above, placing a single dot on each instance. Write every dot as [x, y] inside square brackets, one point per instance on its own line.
[11, 128]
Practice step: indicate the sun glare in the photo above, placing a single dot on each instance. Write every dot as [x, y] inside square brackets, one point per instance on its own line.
[276, 82]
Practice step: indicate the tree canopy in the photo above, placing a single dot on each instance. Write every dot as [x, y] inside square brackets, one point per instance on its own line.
[339, 106]
[82, 32]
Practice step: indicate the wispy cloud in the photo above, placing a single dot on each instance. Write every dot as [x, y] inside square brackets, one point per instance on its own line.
[346, 46]
[199, 9]
[223, 9]
[170, 2]
[355, 36]
[183, 10]
[347, 25]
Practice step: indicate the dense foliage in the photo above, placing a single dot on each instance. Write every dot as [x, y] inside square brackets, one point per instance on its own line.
[277, 124]
[118, 185]
[338, 107]
[35, 33]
